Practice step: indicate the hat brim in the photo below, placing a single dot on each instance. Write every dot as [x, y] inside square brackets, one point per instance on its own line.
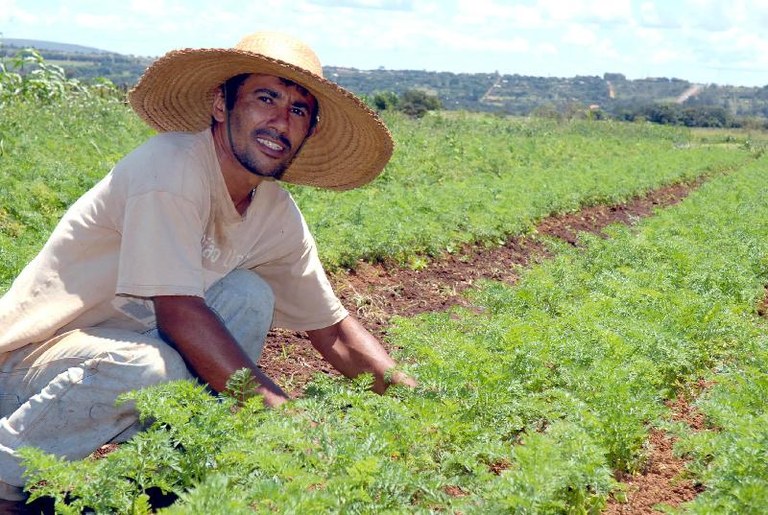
[349, 147]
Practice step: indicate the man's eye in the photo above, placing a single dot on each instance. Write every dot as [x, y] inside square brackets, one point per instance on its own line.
[266, 99]
[300, 112]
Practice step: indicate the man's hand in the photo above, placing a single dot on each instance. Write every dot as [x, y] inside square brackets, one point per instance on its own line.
[403, 379]
[208, 348]
[352, 350]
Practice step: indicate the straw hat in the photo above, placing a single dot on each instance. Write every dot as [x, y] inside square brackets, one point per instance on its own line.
[350, 145]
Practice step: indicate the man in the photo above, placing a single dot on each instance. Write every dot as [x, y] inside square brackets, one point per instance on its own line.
[180, 260]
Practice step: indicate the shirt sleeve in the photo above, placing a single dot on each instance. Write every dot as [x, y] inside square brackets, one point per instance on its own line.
[161, 251]
[304, 298]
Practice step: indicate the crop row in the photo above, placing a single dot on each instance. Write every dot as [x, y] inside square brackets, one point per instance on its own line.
[527, 405]
[478, 179]
[452, 180]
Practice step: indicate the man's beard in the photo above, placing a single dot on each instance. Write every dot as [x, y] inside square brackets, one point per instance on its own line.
[247, 160]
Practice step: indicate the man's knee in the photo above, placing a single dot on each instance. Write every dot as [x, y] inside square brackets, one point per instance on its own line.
[248, 286]
[245, 304]
[242, 291]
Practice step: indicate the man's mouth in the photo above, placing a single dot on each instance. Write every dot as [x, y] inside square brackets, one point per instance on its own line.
[270, 144]
[273, 143]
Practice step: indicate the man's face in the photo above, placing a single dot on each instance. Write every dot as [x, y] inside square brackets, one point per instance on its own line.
[270, 120]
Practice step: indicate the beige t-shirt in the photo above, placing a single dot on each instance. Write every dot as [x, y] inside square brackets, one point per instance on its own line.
[162, 223]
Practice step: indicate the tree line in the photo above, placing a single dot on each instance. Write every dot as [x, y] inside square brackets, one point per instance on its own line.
[415, 92]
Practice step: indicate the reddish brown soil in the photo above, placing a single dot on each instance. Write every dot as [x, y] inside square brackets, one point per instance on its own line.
[762, 306]
[662, 480]
[376, 292]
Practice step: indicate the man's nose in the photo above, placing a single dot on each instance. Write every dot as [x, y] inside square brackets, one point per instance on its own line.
[280, 119]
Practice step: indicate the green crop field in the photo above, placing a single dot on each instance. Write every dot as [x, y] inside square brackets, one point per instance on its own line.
[529, 404]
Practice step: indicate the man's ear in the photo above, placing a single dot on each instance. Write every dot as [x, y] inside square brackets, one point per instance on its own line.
[219, 108]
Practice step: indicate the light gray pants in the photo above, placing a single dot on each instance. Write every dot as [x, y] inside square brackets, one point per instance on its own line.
[59, 395]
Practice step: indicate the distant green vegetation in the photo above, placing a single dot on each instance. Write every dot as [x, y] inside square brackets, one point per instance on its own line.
[413, 102]
[609, 96]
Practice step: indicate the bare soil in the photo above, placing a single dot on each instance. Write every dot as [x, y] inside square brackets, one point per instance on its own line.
[663, 481]
[762, 306]
[377, 292]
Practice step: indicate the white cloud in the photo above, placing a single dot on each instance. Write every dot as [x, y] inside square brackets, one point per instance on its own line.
[649, 37]
[153, 8]
[96, 21]
[740, 45]
[580, 35]
[394, 5]
[550, 37]
[610, 10]
[525, 16]
[660, 15]
[664, 56]
[713, 18]
[472, 44]
[546, 49]
[11, 13]
[560, 11]
[476, 12]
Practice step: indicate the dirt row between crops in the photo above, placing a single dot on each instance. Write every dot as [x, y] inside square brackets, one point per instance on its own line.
[377, 292]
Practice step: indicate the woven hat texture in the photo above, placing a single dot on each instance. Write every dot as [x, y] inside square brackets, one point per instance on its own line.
[350, 145]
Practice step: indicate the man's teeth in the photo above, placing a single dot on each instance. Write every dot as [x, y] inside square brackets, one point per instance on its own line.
[270, 144]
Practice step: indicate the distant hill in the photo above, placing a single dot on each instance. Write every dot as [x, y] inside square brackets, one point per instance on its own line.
[81, 62]
[514, 94]
[50, 45]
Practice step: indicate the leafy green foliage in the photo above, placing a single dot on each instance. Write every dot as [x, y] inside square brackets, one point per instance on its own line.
[674, 114]
[479, 179]
[730, 456]
[383, 100]
[51, 152]
[416, 103]
[413, 102]
[528, 406]
[30, 77]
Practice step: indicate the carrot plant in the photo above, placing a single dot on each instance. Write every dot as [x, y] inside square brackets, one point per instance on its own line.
[479, 179]
[529, 406]
[729, 455]
[50, 154]
[602, 339]
[452, 180]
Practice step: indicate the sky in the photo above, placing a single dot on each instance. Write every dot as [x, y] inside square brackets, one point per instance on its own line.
[721, 42]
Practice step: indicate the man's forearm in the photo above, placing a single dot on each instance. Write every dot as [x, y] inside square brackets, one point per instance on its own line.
[207, 346]
[352, 350]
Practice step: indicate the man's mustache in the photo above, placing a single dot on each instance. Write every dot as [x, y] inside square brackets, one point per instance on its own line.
[273, 134]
